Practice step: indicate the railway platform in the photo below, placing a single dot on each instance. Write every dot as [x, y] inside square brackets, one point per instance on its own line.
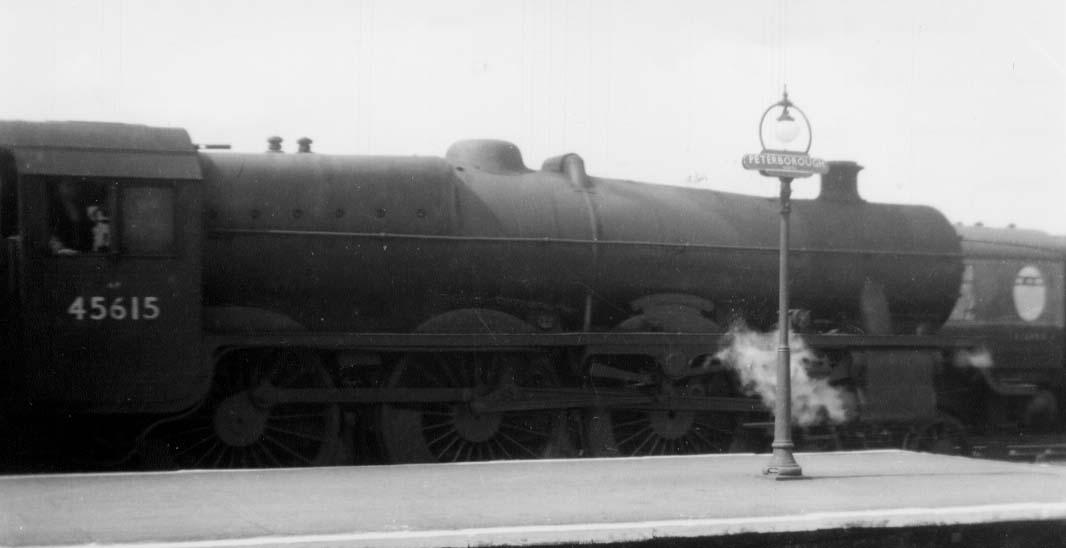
[869, 498]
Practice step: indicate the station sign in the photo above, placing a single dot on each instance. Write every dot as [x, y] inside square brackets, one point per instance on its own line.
[784, 164]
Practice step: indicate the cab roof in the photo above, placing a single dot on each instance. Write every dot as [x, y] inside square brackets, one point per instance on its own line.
[100, 149]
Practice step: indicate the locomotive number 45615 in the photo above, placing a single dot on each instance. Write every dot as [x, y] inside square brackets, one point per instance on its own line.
[118, 308]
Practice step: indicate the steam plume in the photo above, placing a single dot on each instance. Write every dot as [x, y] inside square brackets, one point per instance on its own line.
[979, 358]
[753, 356]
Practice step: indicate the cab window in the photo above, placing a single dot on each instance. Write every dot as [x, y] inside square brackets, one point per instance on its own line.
[79, 216]
[148, 220]
[88, 216]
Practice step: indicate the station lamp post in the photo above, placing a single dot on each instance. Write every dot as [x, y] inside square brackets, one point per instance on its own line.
[785, 136]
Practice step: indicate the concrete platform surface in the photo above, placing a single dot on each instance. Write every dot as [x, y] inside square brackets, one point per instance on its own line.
[522, 502]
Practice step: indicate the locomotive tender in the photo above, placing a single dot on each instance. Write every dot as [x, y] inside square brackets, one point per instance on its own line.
[460, 308]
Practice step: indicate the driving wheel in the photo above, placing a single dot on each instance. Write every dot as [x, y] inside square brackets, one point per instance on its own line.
[232, 429]
[456, 431]
[620, 431]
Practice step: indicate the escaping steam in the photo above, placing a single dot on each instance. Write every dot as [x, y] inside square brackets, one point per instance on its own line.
[753, 356]
[979, 358]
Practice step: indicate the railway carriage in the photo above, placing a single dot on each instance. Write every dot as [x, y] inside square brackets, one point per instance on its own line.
[1011, 304]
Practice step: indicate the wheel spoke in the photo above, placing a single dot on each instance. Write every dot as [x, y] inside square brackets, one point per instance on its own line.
[203, 457]
[186, 450]
[253, 455]
[525, 430]
[471, 452]
[455, 439]
[222, 451]
[650, 437]
[635, 434]
[437, 425]
[440, 438]
[242, 457]
[268, 453]
[286, 449]
[634, 422]
[506, 453]
[463, 446]
[518, 444]
[320, 439]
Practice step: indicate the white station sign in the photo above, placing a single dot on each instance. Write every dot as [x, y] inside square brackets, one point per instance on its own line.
[784, 164]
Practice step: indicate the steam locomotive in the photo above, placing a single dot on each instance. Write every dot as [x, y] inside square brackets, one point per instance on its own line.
[245, 310]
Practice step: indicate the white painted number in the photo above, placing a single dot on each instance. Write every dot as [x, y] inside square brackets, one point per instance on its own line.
[116, 310]
[99, 310]
[136, 308]
[77, 309]
[151, 310]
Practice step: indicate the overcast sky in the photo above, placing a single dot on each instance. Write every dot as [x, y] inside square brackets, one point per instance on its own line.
[956, 104]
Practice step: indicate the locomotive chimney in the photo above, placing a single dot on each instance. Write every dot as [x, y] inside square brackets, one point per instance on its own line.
[305, 145]
[274, 144]
[841, 182]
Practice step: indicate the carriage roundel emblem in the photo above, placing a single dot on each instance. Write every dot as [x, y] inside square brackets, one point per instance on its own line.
[1030, 293]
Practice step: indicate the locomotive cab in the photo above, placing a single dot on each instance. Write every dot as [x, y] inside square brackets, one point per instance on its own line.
[101, 224]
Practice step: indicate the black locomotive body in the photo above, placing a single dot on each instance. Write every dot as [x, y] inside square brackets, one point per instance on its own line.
[430, 235]
[464, 307]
